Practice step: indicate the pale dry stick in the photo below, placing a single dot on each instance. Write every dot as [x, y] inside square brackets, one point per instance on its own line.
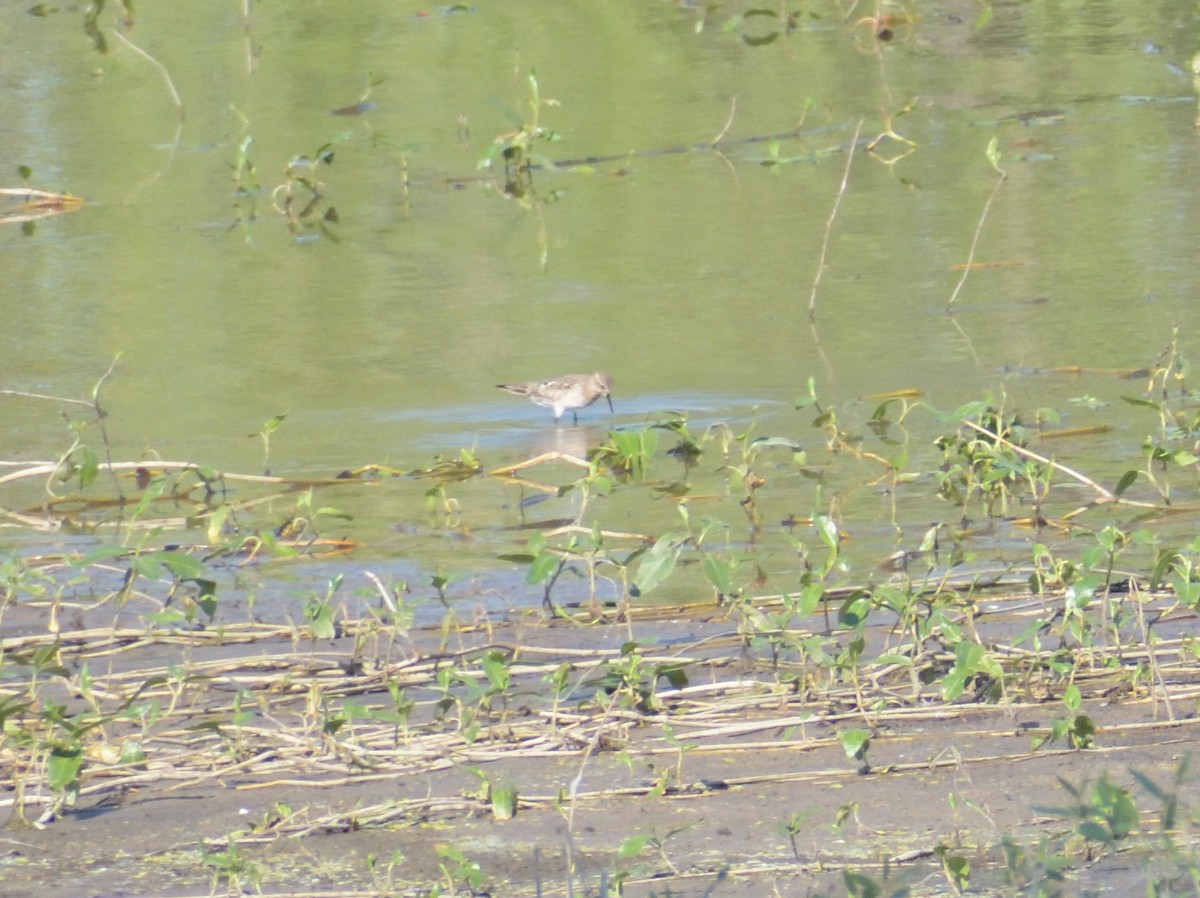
[248, 28]
[728, 122]
[580, 530]
[994, 158]
[22, 394]
[729, 165]
[1155, 668]
[537, 460]
[970, 343]
[162, 68]
[593, 747]
[31, 193]
[34, 205]
[1106, 496]
[386, 596]
[178, 129]
[51, 467]
[101, 415]
[812, 300]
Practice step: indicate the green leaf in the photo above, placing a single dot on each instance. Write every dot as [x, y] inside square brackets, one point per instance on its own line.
[810, 598]
[320, 618]
[132, 752]
[63, 766]
[1144, 403]
[185, 567]
[89, 466]
[859, 885]
[496, 668]
[104, 553]
[719, 572]
[959, 869]
[168, 618]
[207, 600]
[1126, 481]
[542, 568]
[504, 802]
[151, 493]
[1083, 732]
[658, 563]
[855, 743]
[993, 153]
[147, 566]
[632, 847]
[772, 442]
[1072, 698]
[827, 529]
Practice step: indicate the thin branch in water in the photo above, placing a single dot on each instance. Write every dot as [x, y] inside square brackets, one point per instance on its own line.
[728, 122]
[100, 416]
[24, 395]
[162, 68]
[812, 299]
[994, 158]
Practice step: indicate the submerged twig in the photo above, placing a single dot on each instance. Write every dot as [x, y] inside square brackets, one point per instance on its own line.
[812, 299]
[728, 122]
[537, 460]
[993, 156]
[162, 68]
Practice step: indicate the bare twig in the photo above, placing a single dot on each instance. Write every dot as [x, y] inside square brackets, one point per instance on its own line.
[155, 465]
[1002, 176]
[812, 299]
[22, 394]
[728, 122]
[166, 75]
[100, 416]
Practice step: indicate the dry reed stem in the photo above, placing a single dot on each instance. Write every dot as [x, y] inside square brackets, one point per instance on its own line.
[1001, 178]
[812, 299]
[162, 68]
[728, 122]
[37, 470]
[540, 459]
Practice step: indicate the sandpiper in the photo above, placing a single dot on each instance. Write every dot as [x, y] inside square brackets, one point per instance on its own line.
[570, 392]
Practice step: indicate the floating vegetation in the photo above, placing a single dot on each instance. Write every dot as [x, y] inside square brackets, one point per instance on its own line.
[25, 205]
[688, 654]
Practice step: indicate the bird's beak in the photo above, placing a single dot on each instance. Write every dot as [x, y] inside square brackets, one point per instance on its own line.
[608, 396]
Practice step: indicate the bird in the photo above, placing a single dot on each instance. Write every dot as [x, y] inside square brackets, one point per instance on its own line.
[571, 392]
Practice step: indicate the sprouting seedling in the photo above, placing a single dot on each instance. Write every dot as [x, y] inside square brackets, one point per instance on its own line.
[459, 868]
[382, 879]
[855, 743]
[269, 427]
[955, 867]
[792, 827]
[680, 747]
[516, 148]
[229, 865]
[243, 169]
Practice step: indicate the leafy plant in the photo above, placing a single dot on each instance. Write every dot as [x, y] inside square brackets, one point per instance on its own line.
[518, 149]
